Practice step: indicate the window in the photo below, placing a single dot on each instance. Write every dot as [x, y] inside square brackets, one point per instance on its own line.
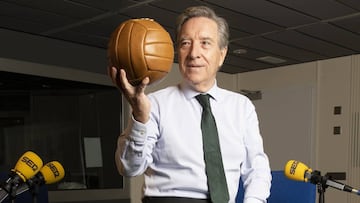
[75, 123]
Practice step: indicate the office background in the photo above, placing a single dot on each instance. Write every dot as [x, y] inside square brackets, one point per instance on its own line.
[296, 108]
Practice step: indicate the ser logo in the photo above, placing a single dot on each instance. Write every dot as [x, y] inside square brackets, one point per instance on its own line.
[53, 169]
[293, 167]
[30, 163]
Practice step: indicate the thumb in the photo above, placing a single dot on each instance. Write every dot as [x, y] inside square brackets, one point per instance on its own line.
[144, 83]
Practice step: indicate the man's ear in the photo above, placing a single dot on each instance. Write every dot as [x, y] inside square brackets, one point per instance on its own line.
[223, 52]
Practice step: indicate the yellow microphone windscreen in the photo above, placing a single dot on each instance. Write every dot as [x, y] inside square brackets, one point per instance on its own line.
[296, 170]
[28, 165]
[52, 172]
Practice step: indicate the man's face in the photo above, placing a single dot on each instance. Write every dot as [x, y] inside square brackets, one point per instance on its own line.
[200, 56]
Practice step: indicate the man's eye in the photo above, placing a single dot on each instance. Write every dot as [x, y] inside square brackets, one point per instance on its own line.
[184, 43]
[207, 43]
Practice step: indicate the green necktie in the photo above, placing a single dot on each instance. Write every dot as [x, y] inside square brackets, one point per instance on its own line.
[212, 154]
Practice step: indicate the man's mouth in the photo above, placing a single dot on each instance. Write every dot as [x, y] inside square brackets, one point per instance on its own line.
[194, 65]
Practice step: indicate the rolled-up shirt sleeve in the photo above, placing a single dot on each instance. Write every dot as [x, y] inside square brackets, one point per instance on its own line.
[132, 155]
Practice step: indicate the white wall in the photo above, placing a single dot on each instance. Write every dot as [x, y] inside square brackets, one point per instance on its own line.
[334, 90]
[285, 111]
[317, 86]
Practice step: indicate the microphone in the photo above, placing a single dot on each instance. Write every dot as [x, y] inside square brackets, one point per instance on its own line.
[26, 167]
[50, 173]
[298, 171]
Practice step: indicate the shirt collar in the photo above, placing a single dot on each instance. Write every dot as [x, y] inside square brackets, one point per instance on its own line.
[190, 93]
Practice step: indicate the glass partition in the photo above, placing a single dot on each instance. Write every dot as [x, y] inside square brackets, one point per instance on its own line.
[72, 122]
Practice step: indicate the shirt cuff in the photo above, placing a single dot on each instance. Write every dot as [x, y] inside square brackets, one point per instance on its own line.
[138, 131]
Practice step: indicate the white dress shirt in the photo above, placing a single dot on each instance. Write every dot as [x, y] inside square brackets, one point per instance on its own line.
[168, 148]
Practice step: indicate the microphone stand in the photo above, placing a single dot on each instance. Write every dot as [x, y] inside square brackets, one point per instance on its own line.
[320, 182]
[35, 193]
[10, 187]
[321, 191]
[11, 192]
[34, 187]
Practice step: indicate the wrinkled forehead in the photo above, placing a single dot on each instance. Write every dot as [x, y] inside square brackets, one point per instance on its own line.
[199, 27]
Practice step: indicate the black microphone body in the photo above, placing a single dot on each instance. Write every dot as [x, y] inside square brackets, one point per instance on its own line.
[32, 184]
[10, 186]
[3, 195]
[327, 180]
[298, 171]
[50, 173]
[26, 167]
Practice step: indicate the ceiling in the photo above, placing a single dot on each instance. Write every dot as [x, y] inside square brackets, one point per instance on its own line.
[292, 31]
[17, 83]
[16, 90]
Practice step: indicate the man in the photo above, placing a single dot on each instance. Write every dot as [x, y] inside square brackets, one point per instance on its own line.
[164, 138]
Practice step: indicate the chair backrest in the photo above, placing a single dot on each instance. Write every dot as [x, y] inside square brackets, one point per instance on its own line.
[26, 197]
[284, 190]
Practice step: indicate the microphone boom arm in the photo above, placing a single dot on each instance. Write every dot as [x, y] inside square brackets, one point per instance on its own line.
[327, 180]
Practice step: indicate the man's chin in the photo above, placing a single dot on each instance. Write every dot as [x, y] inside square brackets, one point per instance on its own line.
[193, 80]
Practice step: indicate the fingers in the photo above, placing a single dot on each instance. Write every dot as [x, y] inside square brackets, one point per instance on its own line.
[124, 81]
[142, 86]
[146, 81]
[118, 77]
[112, 72]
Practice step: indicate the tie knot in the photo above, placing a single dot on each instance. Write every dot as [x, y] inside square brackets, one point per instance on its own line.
[203, 100]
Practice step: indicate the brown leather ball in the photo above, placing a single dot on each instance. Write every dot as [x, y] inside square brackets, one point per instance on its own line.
[142, 47]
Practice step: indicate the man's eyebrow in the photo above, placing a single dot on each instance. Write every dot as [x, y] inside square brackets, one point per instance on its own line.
[207, 38]
[201, 38]
[184, 38]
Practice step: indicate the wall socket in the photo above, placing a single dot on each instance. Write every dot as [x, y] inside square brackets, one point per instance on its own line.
[337, 130]
[337, 110]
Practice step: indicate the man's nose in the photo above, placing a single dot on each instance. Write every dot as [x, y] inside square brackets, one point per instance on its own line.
[195, 51]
